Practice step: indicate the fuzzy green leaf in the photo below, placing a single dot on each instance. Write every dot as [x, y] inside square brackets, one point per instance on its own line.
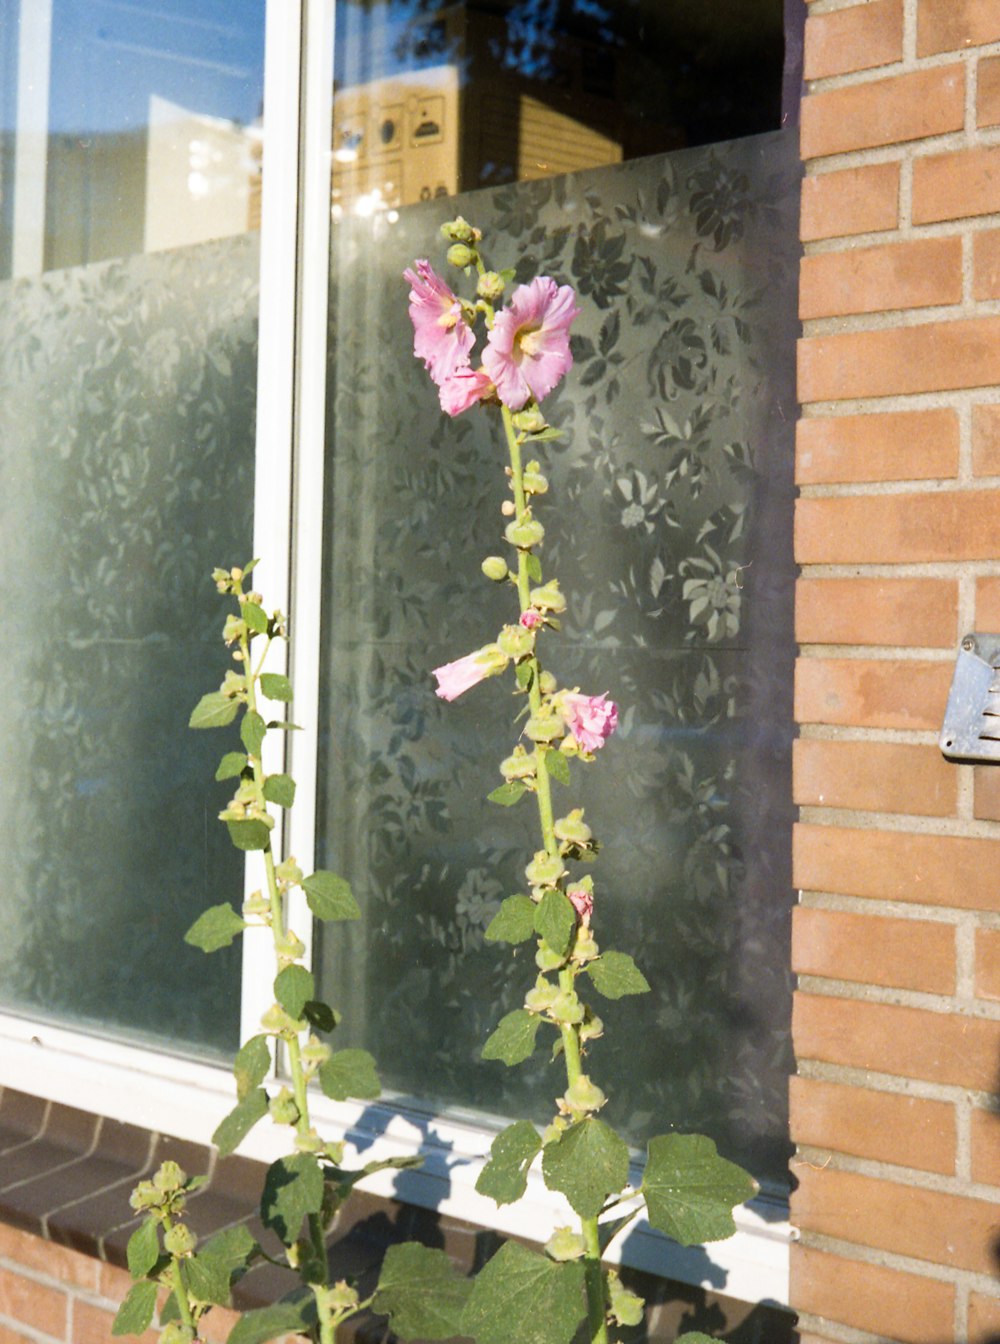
[252, 731]
[586, 1163]
[221, 1260]
[284, 1318]
[524, 674]
[422, 1292]
[255, 617]
[249, 834]
[251, 1065]
[549, 432]
[275, 686]
[507, 794]
[520, 1295]
[514, 922]
[231, 765]
[293, 1188]
[350, 1073]
[280, 789]
[534, 569]
[234, 1128]
[136, 1313]
[329, 896]
[514, 1039]
[293, 988]
[214, 710]
[557, 766]
[504, 1178]
[143, 1249]
[615, 974]
[555, 921]
[216, 928]
[691, 1191]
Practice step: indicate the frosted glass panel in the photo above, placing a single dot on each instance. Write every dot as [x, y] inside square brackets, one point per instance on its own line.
[669, 525]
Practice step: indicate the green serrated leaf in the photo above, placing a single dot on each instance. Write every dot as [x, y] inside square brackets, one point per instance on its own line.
[257, 1327]
[504, 1178]
[280, 789]
[520, 1295]
[293, 1188]
[514, 1039]
[550, 432]
[249, 834]
[143, 1249]
[329, 896]
[350, 1073]
[514, 922]
[136, 1313]
[234, 1128]
[206, 1280]
[507, 794]
[252, 731]
[293, 988]
[691, 1191]
[251, 1065]
[557, 766]
[275, 686]
[231, 765]
[534, 568]
[214, 710]
[225, 1257]
[587, 1163]
[422, 1292]
[284, 725]
[555, 921]
[615, 974]
[255, 617]
[216, 928]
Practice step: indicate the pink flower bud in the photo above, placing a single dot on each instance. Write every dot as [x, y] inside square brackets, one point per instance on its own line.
[590, 718]
[530, 619]
[582, 902]
[464, 673]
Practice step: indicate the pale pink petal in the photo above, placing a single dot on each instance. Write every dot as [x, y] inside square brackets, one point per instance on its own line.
[582, 902]
[441, 336]
[463, 389]
[590, 718]
[527, 352]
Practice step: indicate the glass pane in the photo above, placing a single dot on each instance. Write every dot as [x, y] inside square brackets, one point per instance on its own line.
[669, 525]
[127, 404]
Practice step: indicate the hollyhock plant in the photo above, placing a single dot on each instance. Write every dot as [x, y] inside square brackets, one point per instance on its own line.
[454, 679]
[463, 389]
[441, 336]
[590, 718]
[527, 352]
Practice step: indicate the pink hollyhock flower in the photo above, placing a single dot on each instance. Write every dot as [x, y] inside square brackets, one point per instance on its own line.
[590, 718]
[531, 618]
[582, 902]
[441, 336]
[527, 351]
[463, 389]
[464, 673]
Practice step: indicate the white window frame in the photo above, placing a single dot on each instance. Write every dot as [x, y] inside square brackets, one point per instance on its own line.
[162, 1092]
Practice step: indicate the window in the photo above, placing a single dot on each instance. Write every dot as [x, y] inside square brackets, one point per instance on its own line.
[135, 466]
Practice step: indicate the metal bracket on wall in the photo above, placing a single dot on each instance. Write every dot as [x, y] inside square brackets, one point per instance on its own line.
[971, 729]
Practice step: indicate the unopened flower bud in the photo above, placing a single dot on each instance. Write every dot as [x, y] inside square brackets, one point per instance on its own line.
[516, 641]
[546, 959]
[565, 1244]
[545, 869]
[310, 1142]
[315, 1052]
[592, 1027]
[541, 998]
[533, 481]
[554, 1130]
[567, 1008]
[547, 683]
[176, 1332]
[283, 1109]
[490, 286]
[583, 1095]
[277, 1022]
[459, 230]
[236, 573]
[529, 421]
[290, 947]
[525, 532]
[585, 948]
[548, 597]
[519, 765]
[460, 255]
[495, 568]
[342, 1296]
[256, 905]
[289, 871]
[573, 828]
[544, 727]
[508, 509]
[179, 1240]
[144, 1196]
[233, 629]
[170, 1177]
[531, 619]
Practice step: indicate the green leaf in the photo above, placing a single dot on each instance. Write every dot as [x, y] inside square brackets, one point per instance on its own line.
[255, 617]
[249, 834]
[275, 686]
[285, 725]
[320, 1016]
[280, 789]
[252, 731]
[256, 1327]
[514, 922]
[557, 765]
[350, 1073]
[549, 432]
[514, 1039]
[234, 1128]
[293, 1188]
[555, 920]
[695, 1337]
[214, 710]
[504, 1178]
[691, 1191]
[329, 896]
[586, 1163]
[523, 674]
[206, 1281]
[534, 569]
[143, 1249]
[216, 928]
[211, 1272]
[136, 1313]
[231, 765]
[251, 1065]
[520, 1295]
[422, 1292]
[615, 974]
[293, 988]
[507, 794]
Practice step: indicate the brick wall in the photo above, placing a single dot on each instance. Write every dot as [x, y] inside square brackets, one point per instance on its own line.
[897, 937]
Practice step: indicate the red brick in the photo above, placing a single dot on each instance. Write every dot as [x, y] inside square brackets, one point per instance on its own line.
[913, 613]
[947, 870]
[986, 1147]
[882, 1126]
[952, 25]
[58, 1262]
[898, 529]
[858, 38]
[871, 693]
[988, 963]
[986, 434]
[988, 604]
[986, 264]
[984, 1318]
[896, 446]
[925, 1224]
[874, 950]
[906, 1307]
[953, 1049]
[884, 111]
[986, 796]
[33, 1303]
[988, 92]
[956, 185]
[921, 273]
[874, 777]
[14, 1337]
[931, 357]
[851, 200]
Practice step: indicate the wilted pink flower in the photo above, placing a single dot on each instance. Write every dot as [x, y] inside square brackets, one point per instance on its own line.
[464, 673]
[441, 336]
[527, 351]
[590, 718]
[463, 389]
[582, 901]
[531, 618]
